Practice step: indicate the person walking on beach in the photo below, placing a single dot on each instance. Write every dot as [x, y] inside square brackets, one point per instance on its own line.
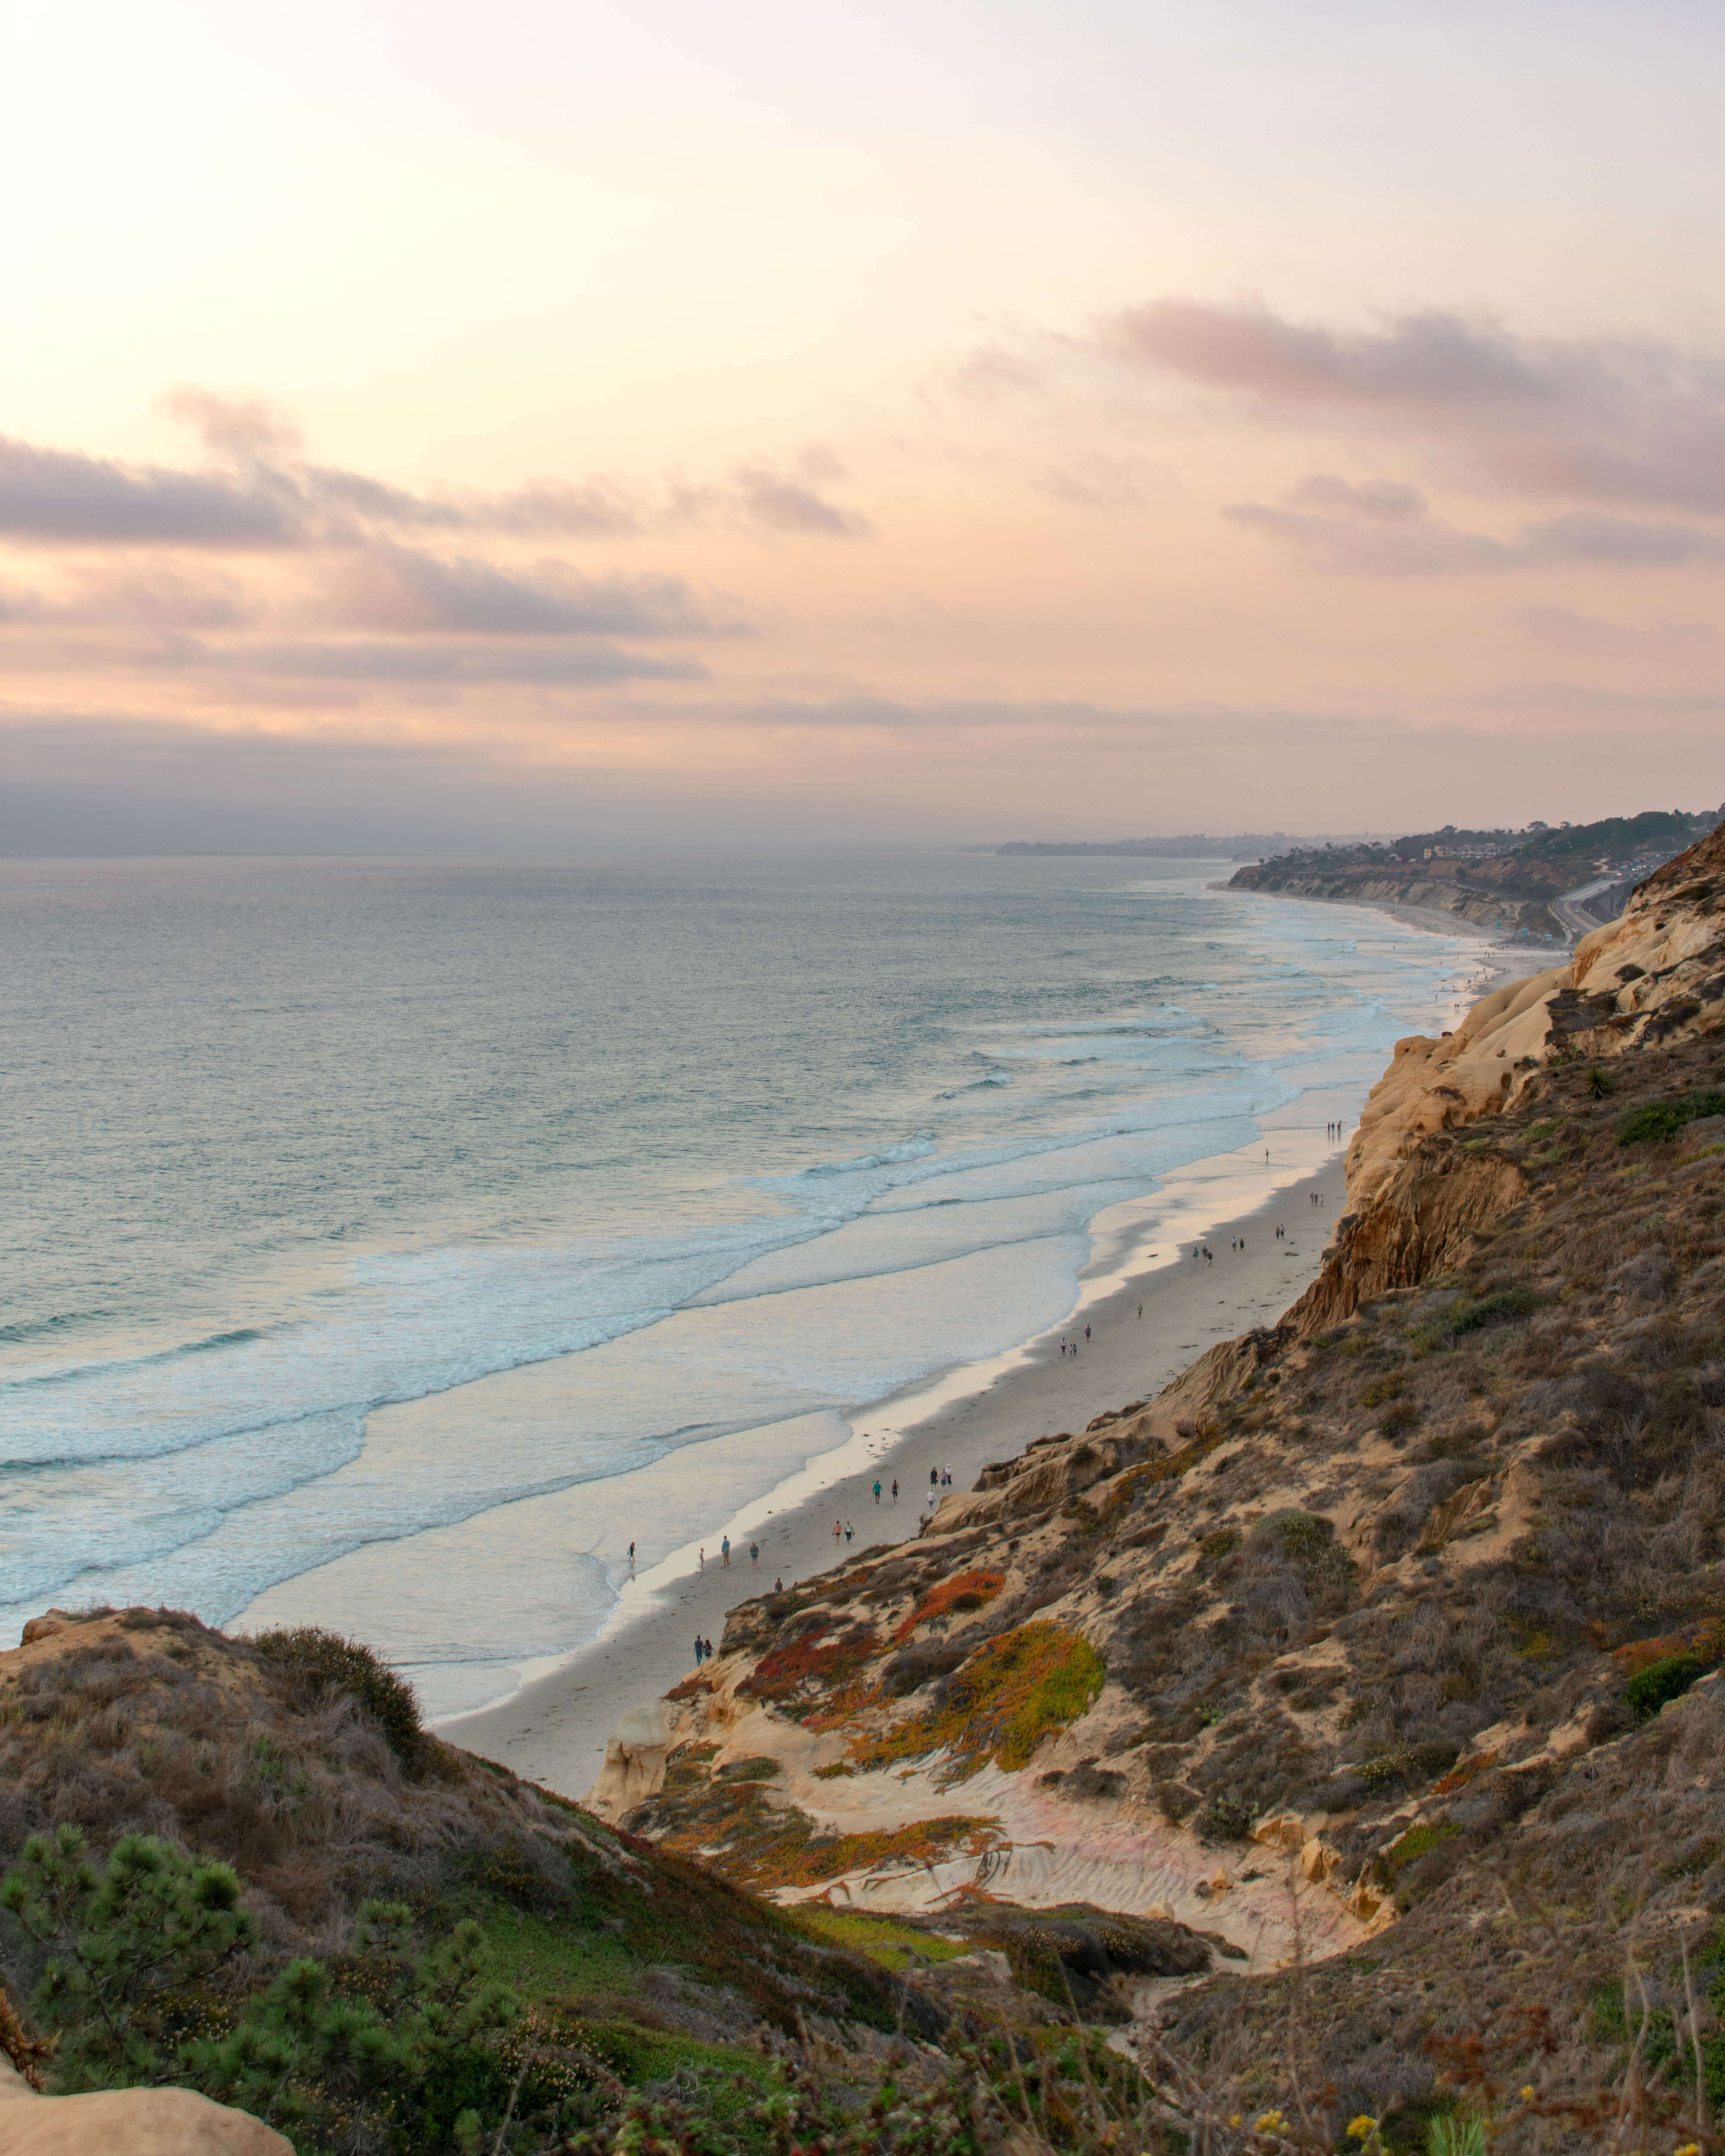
[754, 1553]
[838, 1530]
[724, 1553]
[1141, 1310]
[895, 1488]
[699, 1653]
[1086, 1332]
[709, 1649]
[701, 1561]
[631, 1557]
[848, 1532]
[877, 1489]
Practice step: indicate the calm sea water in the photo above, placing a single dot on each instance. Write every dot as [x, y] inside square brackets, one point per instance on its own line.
[299, 1155]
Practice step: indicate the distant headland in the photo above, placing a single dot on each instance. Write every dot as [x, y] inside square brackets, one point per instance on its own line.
[1192, 845]
[1546, 882]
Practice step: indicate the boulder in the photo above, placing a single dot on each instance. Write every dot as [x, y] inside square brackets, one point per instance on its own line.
[167, 2122]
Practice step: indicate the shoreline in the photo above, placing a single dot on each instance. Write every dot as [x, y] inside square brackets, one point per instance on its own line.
[554, 1727]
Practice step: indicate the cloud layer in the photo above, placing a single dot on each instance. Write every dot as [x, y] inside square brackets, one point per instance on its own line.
[263, 569]
[1629, 423]
[259, 491]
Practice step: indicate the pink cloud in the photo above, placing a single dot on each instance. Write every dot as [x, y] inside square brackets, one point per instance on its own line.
[1634, 423]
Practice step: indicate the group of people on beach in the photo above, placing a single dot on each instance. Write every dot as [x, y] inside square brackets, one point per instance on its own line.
[940, 1478]
[724, 1555]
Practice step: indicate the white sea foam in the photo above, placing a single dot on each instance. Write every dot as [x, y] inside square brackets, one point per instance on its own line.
[653, 1298]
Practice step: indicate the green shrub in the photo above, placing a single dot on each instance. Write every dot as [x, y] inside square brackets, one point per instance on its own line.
[321, 1662]
[1509, 1302]
[1226, 1818]
[1417, 1842]
[1456, 2137]
[120, 1935]
[1661, 1681]
[1468, 1314]
[1659, 1121]
[398, 2048]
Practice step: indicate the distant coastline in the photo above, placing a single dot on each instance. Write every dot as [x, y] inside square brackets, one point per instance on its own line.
[1191, 845]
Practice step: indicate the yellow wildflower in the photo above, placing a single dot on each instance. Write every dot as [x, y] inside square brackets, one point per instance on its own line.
[1362, 2128]
[1271, 2122]
[1527, 2092]
[1688, 2148]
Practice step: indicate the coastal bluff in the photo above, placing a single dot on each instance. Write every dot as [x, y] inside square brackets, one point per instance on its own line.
[1335, 1733]
[1304, 1652]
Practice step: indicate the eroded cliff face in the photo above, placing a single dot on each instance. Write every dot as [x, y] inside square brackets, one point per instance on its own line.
[1229, 1642]
[1339, 1624]
[1655, 976]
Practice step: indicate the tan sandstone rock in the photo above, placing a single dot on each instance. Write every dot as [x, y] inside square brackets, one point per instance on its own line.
[127, 2122]
[635, 1763]
[1657, 974]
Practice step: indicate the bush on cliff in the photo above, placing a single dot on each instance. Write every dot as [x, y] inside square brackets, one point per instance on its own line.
[1659, 1122]
[1000, 1705]
[321, 1662]
[1662, 1681]
[387, 2048]
[393, 2050]
[118, 1938]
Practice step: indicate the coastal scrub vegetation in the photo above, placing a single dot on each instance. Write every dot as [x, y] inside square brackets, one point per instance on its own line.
[998, 1705]
[1437, 1581]
[217, 1871]
[1398, 1624]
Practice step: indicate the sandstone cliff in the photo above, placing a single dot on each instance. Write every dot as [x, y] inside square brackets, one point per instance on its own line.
[1655, 976]
[1340, 1628]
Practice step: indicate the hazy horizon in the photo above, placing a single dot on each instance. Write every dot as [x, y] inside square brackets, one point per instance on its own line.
[857, 425]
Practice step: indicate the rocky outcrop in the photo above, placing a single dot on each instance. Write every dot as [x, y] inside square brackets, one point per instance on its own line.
[158, 2121]
[634, 1763]
[1423, 1221]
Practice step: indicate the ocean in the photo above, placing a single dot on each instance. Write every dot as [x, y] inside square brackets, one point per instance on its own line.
[391, 1243]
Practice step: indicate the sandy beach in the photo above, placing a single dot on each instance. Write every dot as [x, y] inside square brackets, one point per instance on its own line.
[554, 1729]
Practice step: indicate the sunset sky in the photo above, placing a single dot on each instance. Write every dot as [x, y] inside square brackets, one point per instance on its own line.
[547, 425]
